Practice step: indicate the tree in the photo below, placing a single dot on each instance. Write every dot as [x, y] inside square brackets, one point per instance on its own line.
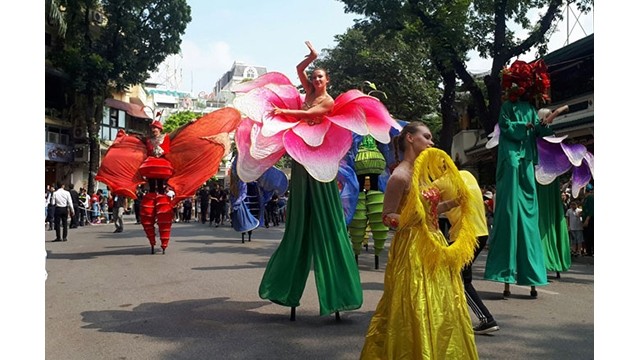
[451, 29]
[178, 119]
[363, 57]
[110, 45]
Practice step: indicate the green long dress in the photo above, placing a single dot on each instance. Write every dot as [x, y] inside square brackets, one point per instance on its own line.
[316, 233]
[515, 254]
[553, 228]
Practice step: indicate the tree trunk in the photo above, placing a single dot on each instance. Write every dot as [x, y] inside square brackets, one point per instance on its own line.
[447, 109]
[93, 113]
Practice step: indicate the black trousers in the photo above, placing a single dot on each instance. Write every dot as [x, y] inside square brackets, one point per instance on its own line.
[204, 207]
[60, 218]
[473, 299]
[588, 238]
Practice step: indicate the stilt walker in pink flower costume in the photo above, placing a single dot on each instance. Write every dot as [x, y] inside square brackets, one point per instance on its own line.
[182, 159]
[316, 131]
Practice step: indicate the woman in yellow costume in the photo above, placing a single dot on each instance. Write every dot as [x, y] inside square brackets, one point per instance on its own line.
[423, 312]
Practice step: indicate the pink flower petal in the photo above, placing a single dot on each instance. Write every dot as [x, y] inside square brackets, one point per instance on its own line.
[321, 162]
[272, 125]
[376, 116]
[258, 103]
[268, 78]
[313, 135]
[350, 117]
[262, 146]
[249, 169]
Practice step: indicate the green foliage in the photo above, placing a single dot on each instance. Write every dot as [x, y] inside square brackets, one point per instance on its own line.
[110, 45]
[384, 66]
[178, 119]
[447, 30]
[121, 51]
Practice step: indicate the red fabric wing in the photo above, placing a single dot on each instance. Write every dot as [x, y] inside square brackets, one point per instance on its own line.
[196, 152]
[119, 168]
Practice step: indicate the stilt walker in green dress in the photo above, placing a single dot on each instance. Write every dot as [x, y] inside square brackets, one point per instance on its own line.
[516, 254]
[317, 134]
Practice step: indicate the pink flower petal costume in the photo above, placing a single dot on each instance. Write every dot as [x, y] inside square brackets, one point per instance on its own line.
[315, 228]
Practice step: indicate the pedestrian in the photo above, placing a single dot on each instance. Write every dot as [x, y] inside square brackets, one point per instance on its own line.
[119, 207]
[82, 205]
[50, 206]
[95, 207]
[63, 209]
[587, 220]
[215, 199]
[226, 216]
[516, 254]
[187, 205]
[104, 205]
[203, 195]
[574, 224]
[136, 202]
[423, 313]
[75, 201]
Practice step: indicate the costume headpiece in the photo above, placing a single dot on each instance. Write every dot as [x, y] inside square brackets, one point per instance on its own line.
[156, 124]
[528, 80]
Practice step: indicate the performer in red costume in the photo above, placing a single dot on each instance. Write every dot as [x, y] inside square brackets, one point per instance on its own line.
[183, 159]
[156, 205]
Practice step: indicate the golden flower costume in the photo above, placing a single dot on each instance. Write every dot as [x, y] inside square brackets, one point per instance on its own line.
[423, 311]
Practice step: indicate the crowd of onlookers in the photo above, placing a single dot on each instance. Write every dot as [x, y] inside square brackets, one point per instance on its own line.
[578, 214]
[209, 204]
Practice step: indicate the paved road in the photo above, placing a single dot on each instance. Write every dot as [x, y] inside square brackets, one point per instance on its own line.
[107, 297]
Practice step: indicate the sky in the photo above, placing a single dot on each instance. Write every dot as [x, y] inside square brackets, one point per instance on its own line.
[272, 34]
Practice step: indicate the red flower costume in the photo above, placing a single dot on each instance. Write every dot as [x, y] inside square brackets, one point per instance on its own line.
[183, 159]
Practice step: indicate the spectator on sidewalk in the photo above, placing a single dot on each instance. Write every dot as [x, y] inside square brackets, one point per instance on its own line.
[83, 204]
[587, 220]
[75, 200]
[187, 205]
[50, 206]
[119, 205]
[575, 228]
[136, 202]
[203, 196]
[63, 208]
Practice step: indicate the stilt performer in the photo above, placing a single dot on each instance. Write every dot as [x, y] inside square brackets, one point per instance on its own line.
[182, 160]
[316, 131]
[516, 252]
[369, 162]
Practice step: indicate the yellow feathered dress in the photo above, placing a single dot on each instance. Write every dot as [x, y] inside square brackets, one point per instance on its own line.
[423, 312]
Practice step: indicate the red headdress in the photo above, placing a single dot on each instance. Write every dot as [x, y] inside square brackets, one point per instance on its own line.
[530, 81]
[156, 124]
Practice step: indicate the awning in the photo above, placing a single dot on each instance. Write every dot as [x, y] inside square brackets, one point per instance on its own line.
[131, 109]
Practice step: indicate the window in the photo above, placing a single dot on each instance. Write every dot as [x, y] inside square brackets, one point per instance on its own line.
[56, 135]
[112, 120]
[250, 73]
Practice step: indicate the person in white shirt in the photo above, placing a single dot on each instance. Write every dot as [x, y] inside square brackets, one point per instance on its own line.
[575, 228]
[63, 208]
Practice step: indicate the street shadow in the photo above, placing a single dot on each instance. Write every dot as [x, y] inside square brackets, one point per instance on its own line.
[377, 286]
[249, 265]
[224, 329]
[576, 338]
[120, 251]
[210, 247]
